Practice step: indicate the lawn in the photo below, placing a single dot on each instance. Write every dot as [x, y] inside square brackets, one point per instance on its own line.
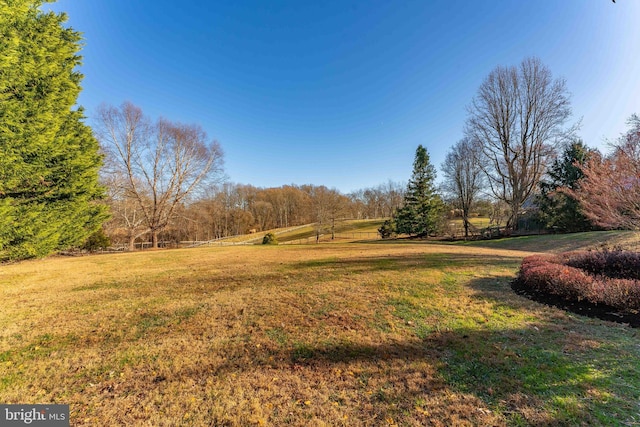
[331, 334]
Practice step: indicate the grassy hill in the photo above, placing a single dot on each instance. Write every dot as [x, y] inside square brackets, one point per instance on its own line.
[346, 230]
[386, 333]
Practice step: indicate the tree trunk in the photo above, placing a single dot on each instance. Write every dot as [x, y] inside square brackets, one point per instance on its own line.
[154, 239]
[512, 222]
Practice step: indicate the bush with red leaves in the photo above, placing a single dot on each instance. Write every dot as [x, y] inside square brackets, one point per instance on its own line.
[611, 278]
[616, 264]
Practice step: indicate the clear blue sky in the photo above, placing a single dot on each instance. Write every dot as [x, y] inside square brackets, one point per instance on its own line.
[340, 93]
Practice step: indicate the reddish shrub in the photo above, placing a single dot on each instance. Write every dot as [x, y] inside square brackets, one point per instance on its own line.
[609, 278]
[615, 264]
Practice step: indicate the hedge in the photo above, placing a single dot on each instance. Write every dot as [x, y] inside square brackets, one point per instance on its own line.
[610, 277]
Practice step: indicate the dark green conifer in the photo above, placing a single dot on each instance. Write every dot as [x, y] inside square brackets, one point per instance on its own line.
[422, 209]
[558, 210]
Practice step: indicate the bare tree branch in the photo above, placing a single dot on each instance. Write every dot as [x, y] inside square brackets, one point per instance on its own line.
[463, 176]
[518, 115]
[163, 162]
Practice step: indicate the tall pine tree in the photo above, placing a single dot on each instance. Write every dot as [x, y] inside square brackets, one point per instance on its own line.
[423, 207]
[49, 159]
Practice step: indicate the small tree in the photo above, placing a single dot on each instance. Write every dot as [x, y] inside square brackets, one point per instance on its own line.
[328, 206]
[464, 177]
[126, 215]
[269, 239]
[98, 240]
[609, 191]
[423, 207]
[558, 209]
[387, 229]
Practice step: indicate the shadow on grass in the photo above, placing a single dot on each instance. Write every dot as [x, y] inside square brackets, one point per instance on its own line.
[558, 242]
[543, 372]
[525, 374]
[416, 261]
[555, 371]
[583, 308]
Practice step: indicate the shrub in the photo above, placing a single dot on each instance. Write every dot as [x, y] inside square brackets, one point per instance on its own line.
[617, 264]
[98, 240]
[609, 278]
[387, 229]
[269, 239]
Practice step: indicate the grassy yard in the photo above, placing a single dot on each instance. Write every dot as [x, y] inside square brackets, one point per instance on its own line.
[341, 334]
[629, 240]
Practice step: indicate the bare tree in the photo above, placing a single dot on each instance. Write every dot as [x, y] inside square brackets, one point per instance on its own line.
[164, 162]
[263, 214]
[609, 191]
[327, 207]
[463, 176]
[517, 114]
[393, 197]
[377, 202]
[127, 219]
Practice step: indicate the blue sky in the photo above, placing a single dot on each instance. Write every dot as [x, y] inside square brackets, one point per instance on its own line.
[340, 93]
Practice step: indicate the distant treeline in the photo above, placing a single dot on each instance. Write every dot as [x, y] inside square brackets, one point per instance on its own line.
[230, 209]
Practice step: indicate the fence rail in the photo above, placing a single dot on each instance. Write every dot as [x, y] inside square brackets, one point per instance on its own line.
[249, 239]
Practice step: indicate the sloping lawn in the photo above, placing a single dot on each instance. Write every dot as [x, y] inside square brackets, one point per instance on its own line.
[592, 240]
[340, 334]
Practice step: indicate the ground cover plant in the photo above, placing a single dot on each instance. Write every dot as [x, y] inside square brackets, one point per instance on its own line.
[334, 334]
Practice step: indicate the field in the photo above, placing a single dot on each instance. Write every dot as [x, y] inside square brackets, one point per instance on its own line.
[305, 234]
[381, 333]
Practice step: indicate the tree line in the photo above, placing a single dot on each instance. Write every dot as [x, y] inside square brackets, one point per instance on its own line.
[228, 209]
[163, 181]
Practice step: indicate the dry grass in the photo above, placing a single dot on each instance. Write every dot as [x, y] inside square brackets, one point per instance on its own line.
[556, 243]
[308, 231]
[342, 334]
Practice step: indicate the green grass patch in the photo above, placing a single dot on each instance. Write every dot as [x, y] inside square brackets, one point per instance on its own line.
[279, 335]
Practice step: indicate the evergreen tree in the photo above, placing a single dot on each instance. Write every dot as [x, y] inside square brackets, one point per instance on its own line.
[49, 159]
[559, 210]
[387, 229]
[423, 207]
